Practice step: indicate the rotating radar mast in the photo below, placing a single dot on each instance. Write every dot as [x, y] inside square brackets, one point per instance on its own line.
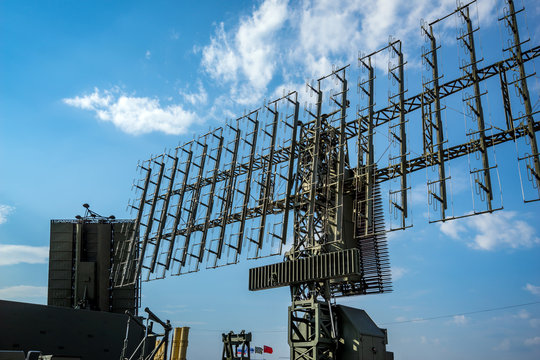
[307, 176]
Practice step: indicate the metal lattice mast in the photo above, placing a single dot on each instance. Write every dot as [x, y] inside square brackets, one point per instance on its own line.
[533, 170]
[482, 176]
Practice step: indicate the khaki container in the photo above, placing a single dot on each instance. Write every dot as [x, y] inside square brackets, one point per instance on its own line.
[179, 343]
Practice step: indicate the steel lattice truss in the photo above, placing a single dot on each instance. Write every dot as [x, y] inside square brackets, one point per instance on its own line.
[275, 176]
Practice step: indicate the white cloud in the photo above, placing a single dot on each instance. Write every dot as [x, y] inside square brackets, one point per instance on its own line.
[317, 33]
[303, 40]
[175, 309]
[16, 254]
[250, 51]
[5, 210]
[460, 319]
[288, 87]
[294, 40]
[398, 272]
[219, 58]
[523, 314]
[532, 341]
[487, 11]
[255, 41]
[200, 97]
[174, 35]
[492, 231]
[326, 31]
[502, 230]
[533, 289]
[333, 31]
[452, 229]
[135, 115]
[379, 21]
[503, 345]
[148, 54]
[393, 236]
[21, 292]
[430, 340]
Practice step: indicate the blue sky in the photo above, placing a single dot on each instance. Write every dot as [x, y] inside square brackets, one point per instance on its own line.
[89, 88]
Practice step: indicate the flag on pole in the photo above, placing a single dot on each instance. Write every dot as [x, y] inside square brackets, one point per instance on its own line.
[244, 352]
[268, 349]
[258, 350]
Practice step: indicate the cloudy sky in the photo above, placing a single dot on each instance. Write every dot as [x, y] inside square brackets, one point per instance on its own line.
[89, 88]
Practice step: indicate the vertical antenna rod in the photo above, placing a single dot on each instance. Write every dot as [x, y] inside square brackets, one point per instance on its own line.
[525, 93]
[468, 40]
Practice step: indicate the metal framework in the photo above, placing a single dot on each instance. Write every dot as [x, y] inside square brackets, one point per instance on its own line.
[233, 344]
[256, 185]
[142, 352]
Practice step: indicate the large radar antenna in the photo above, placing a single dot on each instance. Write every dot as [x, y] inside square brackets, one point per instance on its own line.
[306, 174]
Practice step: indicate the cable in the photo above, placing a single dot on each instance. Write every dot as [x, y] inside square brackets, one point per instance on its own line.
[464, 313]
[404, 321]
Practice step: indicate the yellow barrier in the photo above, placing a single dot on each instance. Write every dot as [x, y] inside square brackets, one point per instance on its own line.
[179, 343]
[160, 354]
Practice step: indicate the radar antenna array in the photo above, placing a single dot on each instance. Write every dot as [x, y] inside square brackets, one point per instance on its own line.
[312, 183]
